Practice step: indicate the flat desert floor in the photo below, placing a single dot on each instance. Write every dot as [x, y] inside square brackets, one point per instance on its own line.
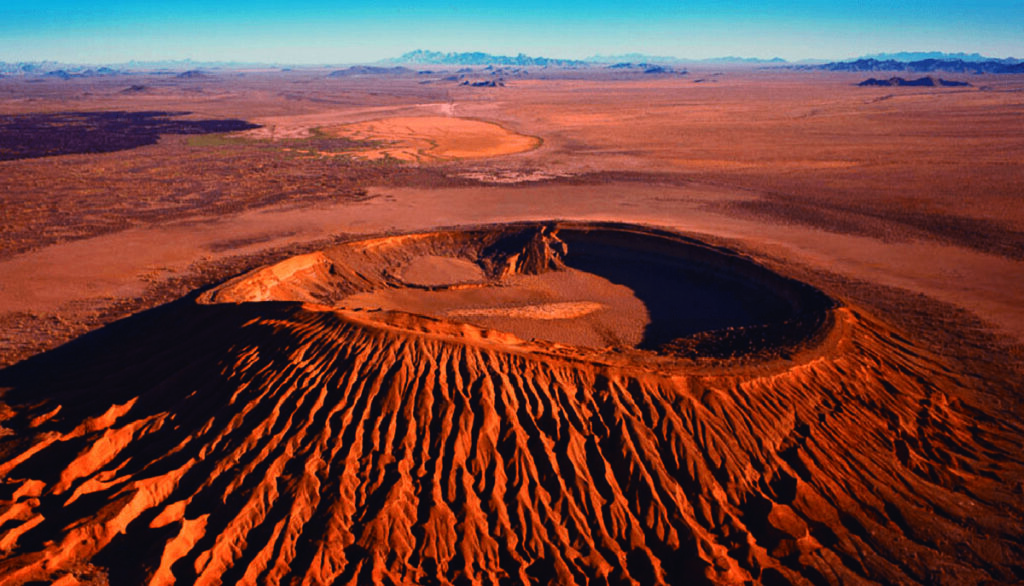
[903, 204]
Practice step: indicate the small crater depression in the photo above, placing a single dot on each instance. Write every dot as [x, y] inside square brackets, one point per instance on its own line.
[590, 285]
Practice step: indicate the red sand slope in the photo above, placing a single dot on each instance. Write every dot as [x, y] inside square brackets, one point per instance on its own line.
[286, 442]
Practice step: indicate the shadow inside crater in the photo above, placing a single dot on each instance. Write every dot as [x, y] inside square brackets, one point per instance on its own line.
[699, 298]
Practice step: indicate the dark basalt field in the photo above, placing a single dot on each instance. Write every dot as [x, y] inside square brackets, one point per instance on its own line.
[26, 136]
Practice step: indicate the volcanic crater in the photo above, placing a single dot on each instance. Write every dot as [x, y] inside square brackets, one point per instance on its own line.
[544, 402]
[592, 285]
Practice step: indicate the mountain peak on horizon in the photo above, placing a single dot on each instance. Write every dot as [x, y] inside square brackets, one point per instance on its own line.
[641, 57]
[922, 55]
[426, 57]
[998, 66]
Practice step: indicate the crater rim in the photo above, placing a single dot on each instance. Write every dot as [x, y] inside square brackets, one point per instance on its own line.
[736, 308]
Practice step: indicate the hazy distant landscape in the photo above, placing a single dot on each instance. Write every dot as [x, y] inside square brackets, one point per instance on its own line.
[920, 61]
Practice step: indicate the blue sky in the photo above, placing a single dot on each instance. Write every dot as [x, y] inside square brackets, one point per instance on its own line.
[315, 31]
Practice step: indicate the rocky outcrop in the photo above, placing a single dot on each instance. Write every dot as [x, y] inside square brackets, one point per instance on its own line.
[369, 70]
[925, 66]
[919, 82]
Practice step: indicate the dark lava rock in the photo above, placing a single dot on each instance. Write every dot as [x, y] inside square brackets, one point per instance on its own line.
[26, 136]
[484, 83]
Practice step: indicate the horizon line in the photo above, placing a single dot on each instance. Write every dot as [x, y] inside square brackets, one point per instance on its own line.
[596, 58]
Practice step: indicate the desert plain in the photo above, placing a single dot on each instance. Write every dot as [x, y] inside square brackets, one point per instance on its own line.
[739, 325]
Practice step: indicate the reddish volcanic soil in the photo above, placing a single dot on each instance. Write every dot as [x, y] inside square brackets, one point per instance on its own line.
[589, 327]
[270, 431]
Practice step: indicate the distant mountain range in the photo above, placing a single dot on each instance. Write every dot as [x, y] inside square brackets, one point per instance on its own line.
[648, 68]
[478, 58]
[632, 58]
[422, 57]
[68, 70]
[928, 81]
[920, 62]
[54, 69]
[642, 58]
[369, 70]
[189, 64]
[923, 55]
[925, 66]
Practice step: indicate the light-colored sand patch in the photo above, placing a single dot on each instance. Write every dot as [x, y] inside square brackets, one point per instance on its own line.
[433, 138]
[297, 126]
[567, 306]
[565, 310]
[437, 271]
[508, 176]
